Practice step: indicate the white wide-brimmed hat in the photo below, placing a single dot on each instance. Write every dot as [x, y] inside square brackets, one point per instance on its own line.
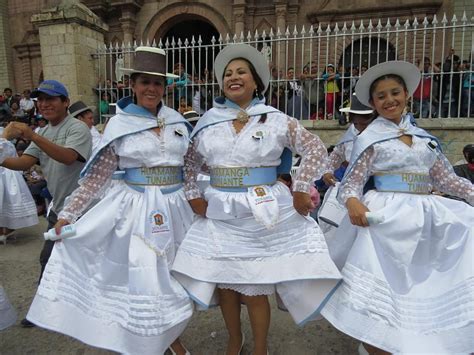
[241, 50]
[356, 107]
[408, 72]
[149, 60]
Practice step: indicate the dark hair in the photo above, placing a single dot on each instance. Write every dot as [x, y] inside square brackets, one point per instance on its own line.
[468, 152]
[63, 98]
[256, 77]
[395, 77]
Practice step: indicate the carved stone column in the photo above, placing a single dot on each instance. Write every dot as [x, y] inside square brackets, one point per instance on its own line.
[280, 12]
[128, 22]
[238, 14]
[69, 35]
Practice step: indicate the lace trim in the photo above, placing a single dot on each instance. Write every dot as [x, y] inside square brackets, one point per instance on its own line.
[312, 151]
[446, 180]
[91, 186]
[250, 290]
[336, 158]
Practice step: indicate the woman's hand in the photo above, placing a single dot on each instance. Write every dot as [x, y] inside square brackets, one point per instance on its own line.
[59, 224]
[329, 179]
[199, 206]
[302, 202]
[357, 211]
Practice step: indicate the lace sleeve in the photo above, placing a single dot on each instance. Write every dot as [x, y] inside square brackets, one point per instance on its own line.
[91, 185]
[336, 158]
[192, 165]
[313, 153]
[353, 185]
[445, 180]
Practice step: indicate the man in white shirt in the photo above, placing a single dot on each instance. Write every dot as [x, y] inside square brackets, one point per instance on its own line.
[27, 104]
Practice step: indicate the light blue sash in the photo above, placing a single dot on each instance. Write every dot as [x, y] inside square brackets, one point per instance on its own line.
[403, 182]
[241, 178]
[169, 178]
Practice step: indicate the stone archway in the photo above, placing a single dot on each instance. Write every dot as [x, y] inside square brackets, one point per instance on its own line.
[367, 51]
[170, 15]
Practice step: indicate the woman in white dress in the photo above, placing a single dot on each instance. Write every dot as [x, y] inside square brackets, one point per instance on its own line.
[252, 238]
[17, 206]
[408, 277]
[109, 285]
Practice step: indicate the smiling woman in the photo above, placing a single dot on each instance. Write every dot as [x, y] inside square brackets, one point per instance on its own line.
[253, 238]
[407, 284]
[130, 235]
[148, 90]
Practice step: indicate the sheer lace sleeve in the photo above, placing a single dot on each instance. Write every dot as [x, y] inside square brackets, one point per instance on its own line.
[192, 165]
[336, 158]
[313, 153]
[353, 185]
[445, 180]
[91, 186]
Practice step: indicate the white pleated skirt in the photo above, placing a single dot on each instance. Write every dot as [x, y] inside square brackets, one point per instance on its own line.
[7, 312]
[17, 207]
[236, 250]
[408, 283]
[107, 287]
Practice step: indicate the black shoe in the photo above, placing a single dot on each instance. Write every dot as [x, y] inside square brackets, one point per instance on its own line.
[25, 323]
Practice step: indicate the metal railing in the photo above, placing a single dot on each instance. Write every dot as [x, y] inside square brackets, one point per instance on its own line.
[300, 62]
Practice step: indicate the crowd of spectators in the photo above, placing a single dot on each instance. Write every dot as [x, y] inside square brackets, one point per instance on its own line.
[446, 90]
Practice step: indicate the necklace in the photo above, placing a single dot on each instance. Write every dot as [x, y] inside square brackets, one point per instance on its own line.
[242, 117]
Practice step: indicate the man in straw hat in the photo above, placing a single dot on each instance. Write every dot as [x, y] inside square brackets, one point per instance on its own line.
[118, 260]
[85, 114]
[62, 148]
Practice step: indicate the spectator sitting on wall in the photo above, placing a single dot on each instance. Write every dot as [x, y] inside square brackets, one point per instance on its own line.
[178, 85]
[313, 90]
[331, 89]
[451, 86]
[423, 101]
[27, 104]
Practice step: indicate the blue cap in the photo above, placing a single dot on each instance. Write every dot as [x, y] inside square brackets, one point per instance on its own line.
[51, 88]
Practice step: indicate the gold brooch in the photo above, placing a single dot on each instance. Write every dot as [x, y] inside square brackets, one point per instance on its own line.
[242, 117]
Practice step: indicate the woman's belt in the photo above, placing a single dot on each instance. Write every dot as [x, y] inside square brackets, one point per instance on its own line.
[241, 178]
[168, 178]
[403, 182]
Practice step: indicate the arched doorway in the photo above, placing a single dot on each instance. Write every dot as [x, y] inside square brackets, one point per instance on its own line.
[197, 58]
[367, 52]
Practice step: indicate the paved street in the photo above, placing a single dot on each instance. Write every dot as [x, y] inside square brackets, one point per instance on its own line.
[19, 269]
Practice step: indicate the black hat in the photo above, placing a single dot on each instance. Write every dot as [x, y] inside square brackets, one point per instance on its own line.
[357, 107]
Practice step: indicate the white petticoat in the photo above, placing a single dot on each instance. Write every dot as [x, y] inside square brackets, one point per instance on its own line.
[17, 207]
[7, 312]
[231, 247]
[408, 282]
[107, 288]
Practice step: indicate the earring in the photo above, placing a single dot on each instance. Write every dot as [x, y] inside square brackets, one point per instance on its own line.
[256, 92]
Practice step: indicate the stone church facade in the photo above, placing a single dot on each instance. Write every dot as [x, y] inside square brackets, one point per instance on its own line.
[129, 20]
